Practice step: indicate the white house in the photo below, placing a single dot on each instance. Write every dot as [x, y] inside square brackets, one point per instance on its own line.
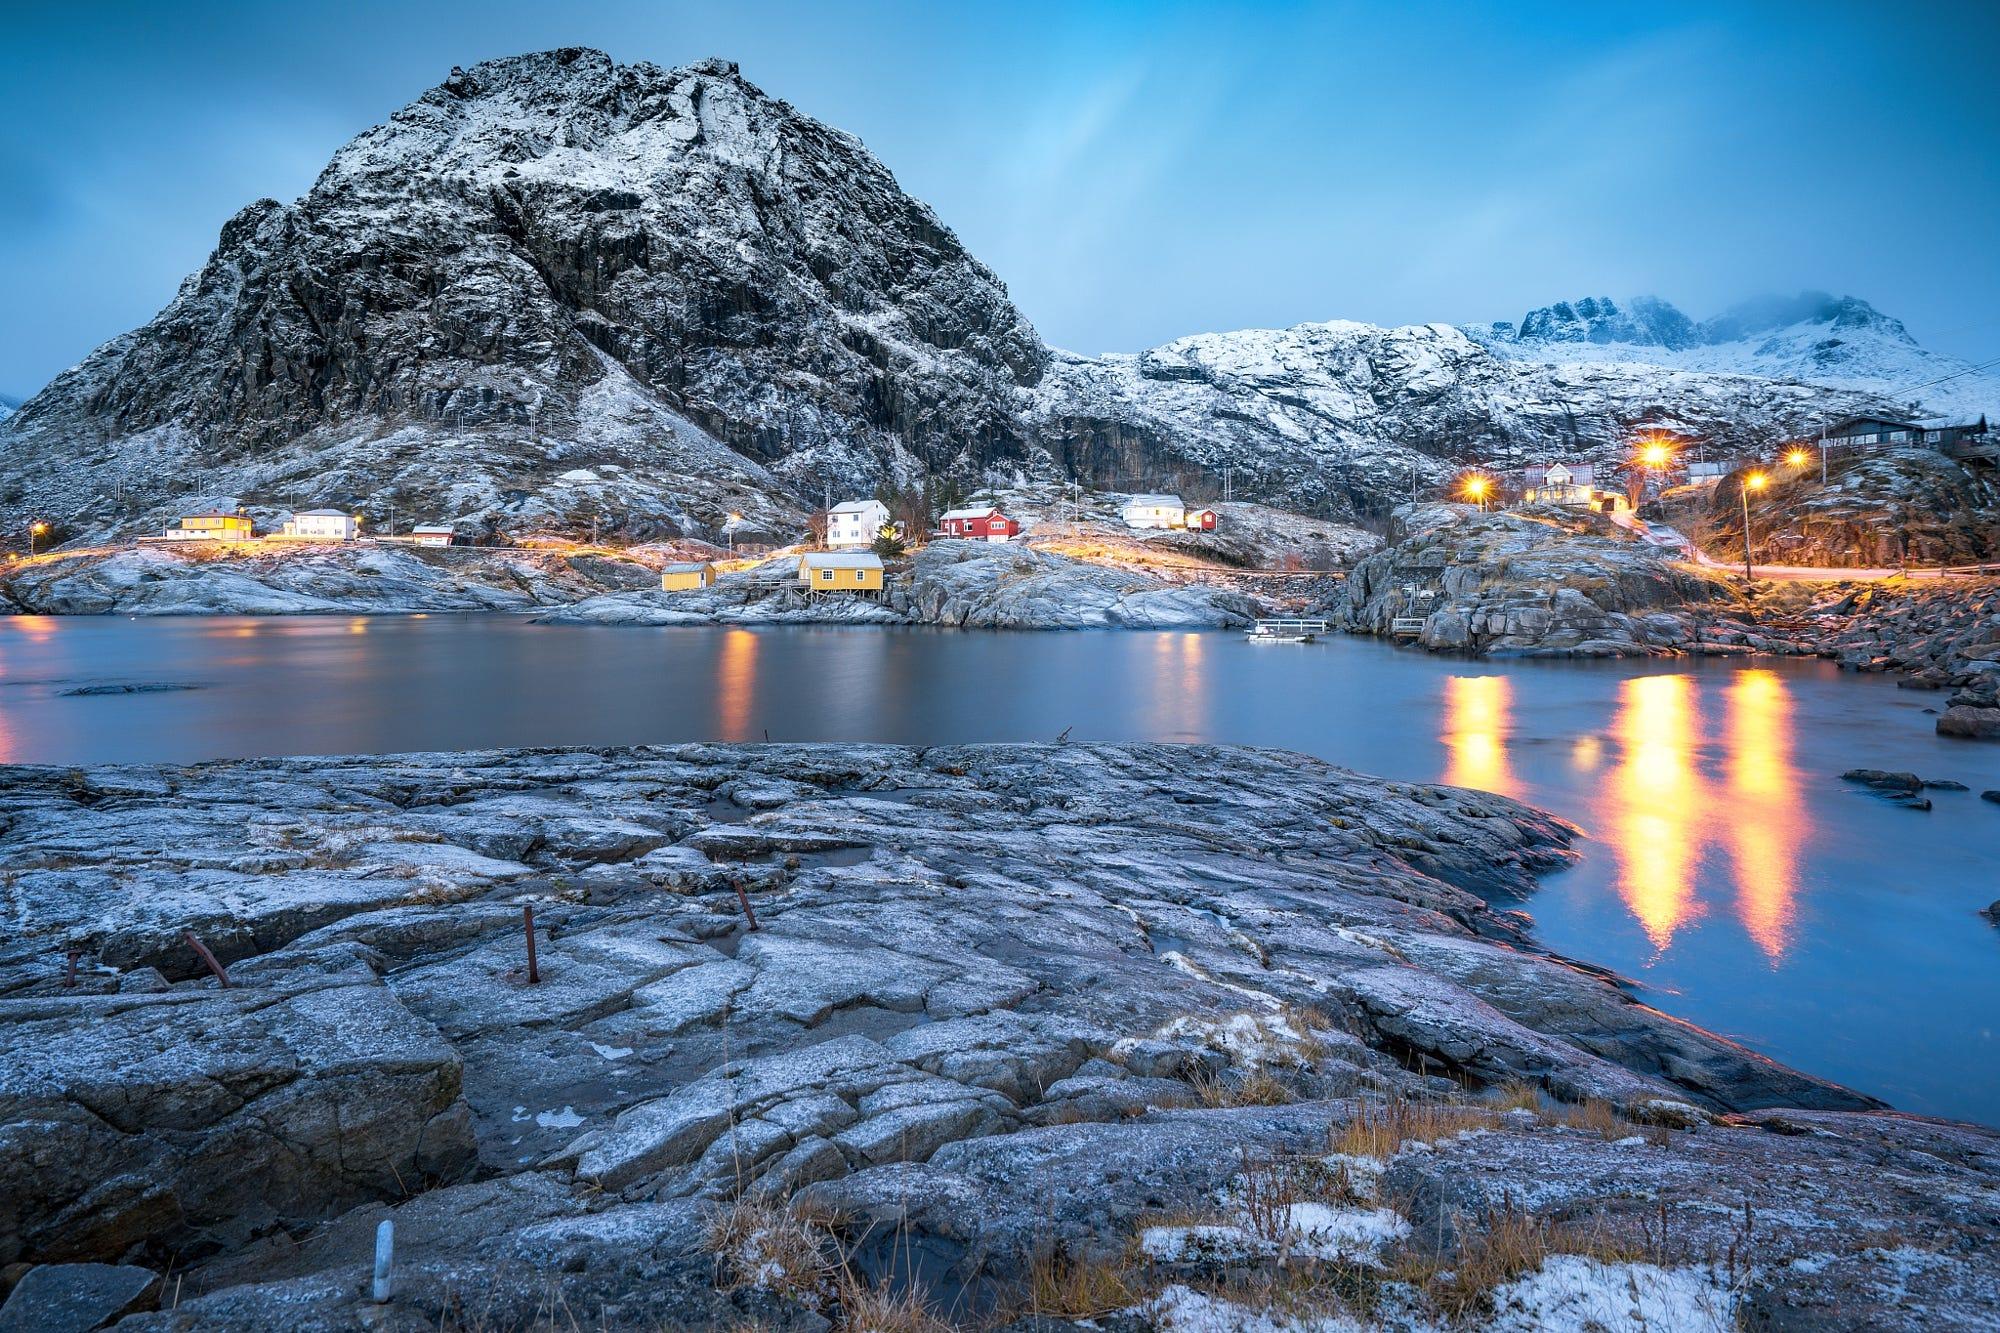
[856, 523]
[1154, 511]
[323, 525]
[433, 534]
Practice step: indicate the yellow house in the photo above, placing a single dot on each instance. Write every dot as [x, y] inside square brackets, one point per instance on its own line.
[686, 578]
[216, 525]
[841, 571]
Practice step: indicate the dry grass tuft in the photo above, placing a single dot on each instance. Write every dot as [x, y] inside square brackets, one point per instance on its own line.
[1511, 1243]
[775, 1247]
[1064, 1287]
[880, 1309]
[1379, 1131]
[1258, 1087]
[1518, 1095]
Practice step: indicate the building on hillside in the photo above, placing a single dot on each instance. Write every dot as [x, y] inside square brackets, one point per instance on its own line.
[1868, 432]
[1558, 484]
[1573, 485]
[214, 525]
[1706, 472]
[841, 571]
[687, 577]
[1199, 520]
[1153, 511]
[434, 534]
[1956, 435]
[323, 525]
[979, 524]
[856, 523]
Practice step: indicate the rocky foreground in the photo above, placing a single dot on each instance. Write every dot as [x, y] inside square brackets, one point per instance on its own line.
[960, 584]
[1171, 1037]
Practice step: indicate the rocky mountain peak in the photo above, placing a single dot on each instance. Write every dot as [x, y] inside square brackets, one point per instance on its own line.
[1767, 314]
[1644, 321]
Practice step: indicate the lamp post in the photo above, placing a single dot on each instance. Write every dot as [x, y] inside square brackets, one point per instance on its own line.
[729, 530]
[1752, 481]
[35, 531]
[1475, 489]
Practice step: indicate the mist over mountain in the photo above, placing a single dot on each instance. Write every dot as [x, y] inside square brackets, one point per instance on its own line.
[556, 291]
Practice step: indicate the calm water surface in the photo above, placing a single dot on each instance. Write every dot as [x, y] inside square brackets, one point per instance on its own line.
[1727, 868]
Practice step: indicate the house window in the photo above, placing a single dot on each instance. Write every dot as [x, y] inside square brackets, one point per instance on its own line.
[826, 576]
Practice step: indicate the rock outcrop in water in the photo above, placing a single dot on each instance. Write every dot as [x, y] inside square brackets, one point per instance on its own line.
[168, 581]
[1531, 583]
[1011, 1010]
[958, 584]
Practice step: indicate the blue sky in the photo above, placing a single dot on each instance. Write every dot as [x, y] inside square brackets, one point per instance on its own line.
[1133, 171]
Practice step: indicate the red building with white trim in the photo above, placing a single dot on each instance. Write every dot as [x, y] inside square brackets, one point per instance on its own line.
[987, 524]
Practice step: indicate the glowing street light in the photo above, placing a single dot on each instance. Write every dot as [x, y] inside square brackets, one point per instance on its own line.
[1752, 481]
[1655, 454]
[1797, 457]
[729, 530]
[1475, 489]
[35, 532]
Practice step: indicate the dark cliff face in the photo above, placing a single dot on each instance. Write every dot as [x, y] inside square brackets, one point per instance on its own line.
[540, 225]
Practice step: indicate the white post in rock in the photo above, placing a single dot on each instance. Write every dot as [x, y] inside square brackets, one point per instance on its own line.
[385, 1261]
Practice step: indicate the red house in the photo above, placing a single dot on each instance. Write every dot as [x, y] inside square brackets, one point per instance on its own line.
[1201, 520]
[987, 524]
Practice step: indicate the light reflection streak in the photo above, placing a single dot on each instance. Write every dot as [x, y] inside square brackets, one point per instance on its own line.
[1180, 697]
[736, 683]
[1657, 799]
[1767, 822]
[1477, 710]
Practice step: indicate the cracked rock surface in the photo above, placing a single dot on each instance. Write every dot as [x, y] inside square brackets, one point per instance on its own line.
[976, 971]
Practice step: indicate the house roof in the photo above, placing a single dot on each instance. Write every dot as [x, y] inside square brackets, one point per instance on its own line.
[434, 527]
[321, 513]
[857, 507]
[1154, 501]
[690, 568]
[1867, 419]
[981, 512]
[215, 513]
[842, 560]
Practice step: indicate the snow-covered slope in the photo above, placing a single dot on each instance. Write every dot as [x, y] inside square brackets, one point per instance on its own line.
[1326, 415]
[559, 291]
[1814, 338]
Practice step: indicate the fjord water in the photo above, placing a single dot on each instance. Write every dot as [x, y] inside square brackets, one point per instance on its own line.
[1726, 868]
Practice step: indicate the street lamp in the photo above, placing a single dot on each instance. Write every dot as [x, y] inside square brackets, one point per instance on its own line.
[729, 530]
[35, 531]
[1752, 481]
[1475, 489]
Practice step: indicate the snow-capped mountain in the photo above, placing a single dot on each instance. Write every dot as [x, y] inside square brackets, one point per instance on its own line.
[554, 288]
[559, 291]
[1813, 338]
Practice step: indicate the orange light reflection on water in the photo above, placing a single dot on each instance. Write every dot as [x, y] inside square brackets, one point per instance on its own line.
[736, 683]
[1767, 822]
[1657, 796]
[1664, 806]
[1476, 726]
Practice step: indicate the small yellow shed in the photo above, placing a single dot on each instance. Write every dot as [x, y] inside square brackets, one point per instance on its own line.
[687, 578]
[841, 571]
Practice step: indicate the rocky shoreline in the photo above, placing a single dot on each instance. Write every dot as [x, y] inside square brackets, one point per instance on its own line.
[1559, 584]
[1153, 1034]
[956, 584]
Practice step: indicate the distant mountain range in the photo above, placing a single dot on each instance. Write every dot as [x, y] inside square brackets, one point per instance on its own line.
[556, 291]
[1813, 337]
